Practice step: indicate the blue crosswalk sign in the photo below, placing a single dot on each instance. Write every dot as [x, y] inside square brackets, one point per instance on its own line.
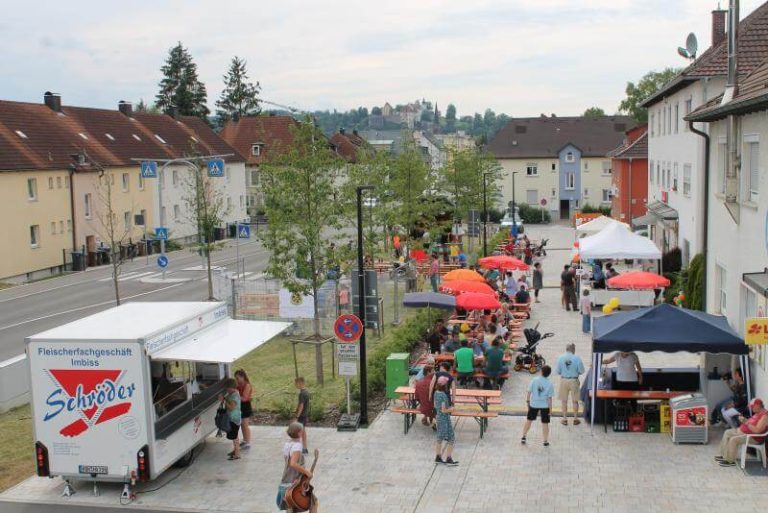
[216, 167]
[148, 169]
[162, 261]
[243, 231]
[161, 233]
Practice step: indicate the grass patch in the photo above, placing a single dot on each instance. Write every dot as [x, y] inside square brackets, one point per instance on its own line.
[16, 447]
[5, 285]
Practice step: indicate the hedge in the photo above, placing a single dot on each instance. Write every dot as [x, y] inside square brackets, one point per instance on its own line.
[534, 215]
[695, 284]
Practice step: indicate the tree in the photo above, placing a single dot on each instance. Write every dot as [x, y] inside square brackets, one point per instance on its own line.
[594, 113]
[142, 106]
[206, 209]
[450, 118]
[239, 95]
[301, 207]
[376, 111]
[463, 178]
[645, 88]
[410, 182]
[181, 92]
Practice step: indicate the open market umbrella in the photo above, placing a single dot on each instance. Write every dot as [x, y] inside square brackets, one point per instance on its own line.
[464, 274]
[638, 280]
[476, 301]
[429, 300]
[461, 286]
[503, 262]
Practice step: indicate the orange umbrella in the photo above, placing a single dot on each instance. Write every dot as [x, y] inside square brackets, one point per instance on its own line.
[638, 280]
[506, 263]
[464, 274]
[475, 301]
[460, 286]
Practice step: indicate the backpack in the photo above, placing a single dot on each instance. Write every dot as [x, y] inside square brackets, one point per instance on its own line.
[222, 418]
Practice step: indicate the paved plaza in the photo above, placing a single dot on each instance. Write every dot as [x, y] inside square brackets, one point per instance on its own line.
[381, 470]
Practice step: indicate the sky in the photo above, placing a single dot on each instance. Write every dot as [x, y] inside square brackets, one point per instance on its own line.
[521, 57]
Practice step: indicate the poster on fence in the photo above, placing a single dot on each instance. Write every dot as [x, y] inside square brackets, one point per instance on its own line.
[295, 306]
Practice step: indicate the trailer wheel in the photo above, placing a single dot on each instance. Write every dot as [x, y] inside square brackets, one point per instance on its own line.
[185, 460]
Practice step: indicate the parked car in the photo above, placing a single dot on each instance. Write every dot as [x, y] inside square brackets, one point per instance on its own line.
[506, 221]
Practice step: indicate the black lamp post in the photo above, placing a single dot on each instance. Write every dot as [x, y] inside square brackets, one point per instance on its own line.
[485, 216]
[361, 307]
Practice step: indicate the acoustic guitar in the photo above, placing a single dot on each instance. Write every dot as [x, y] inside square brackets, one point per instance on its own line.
[299, 495]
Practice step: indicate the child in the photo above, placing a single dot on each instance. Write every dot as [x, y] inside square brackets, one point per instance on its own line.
[445, 434]
[302, 410]
[586, 312]
[539, 400]
[232, 403]
[294, 466]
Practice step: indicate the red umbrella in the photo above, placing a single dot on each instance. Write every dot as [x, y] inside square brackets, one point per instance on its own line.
[503, 262]
[638, 280]
[419, 255]
[475, 301]
[461, 286]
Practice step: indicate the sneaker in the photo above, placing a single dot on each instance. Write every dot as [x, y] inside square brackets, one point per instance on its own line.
[522, 440]
[719, 458]
[451, 463]
[438, 459]
[546, 444]
[724, 463]
[245, 446]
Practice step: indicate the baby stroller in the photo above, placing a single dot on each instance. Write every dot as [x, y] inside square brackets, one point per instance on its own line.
[527, 357]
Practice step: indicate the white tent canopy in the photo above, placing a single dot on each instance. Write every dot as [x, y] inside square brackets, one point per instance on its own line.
[597, 224]
[616, 241]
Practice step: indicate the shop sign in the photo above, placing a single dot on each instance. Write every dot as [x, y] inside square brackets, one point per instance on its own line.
[756, 331]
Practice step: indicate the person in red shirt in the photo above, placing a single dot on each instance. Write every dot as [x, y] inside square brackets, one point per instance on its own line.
[734, 438]
[426, 407]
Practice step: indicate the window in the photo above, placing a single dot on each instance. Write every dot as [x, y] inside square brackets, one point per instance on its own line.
[61, 226]
[607, 195]
[88, 206]
[242, 201]
[175, 177]
[127, 220]
[749, 305]
[227, 174]
[721, 296]
[50, 182]
[658, 123]
[255, 150]
[141, 182]
[650, 171]
[586, 165]
[554, 192]
[126, 182]
[532, 169]
[674, 176]
[66, 182]
[570, 181]
[34, 235]
[160, 139]
[69, 225]
[586, 192]
[677, 117]
[686, 179]
[32, 189]
[229, 204]
[112, 179]
[722, 155]
[554, 166]
[532, 196]
[161, 178]
[688, 109]
[144, 219]
[658, 174]
[607, 171]
[176, 211]
[53, 227]
[254, 177]
[752, 168]
[569, 157]
[653, 130]
[58, 182]
[669, 119]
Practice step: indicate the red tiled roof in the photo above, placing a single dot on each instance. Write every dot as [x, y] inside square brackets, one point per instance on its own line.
[751, 96]
[273, 132]
[634, 149]
[348, 146]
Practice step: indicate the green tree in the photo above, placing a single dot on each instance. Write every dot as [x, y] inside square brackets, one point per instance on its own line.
[301, 207]
[450, 118]
[646, 87]
[239, 95]
[180, 90]
[462, 177]
[594, 113]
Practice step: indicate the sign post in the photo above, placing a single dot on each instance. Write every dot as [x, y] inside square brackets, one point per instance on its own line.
[161, 233]
[348, 328]
[543, 207]
[243, 232]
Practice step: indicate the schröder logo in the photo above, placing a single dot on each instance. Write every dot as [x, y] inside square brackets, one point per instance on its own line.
[95, 396]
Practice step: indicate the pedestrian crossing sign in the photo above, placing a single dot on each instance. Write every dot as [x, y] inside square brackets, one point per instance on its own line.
[216, 168]
[243, 231]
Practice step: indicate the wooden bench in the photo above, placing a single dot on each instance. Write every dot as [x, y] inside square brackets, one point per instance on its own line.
[409, 416]
[481, 417]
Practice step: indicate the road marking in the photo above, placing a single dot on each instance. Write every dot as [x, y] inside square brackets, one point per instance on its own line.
[111, 301]
[133, 275]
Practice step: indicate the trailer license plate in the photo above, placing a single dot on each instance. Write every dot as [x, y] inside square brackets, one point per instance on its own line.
[92, 469]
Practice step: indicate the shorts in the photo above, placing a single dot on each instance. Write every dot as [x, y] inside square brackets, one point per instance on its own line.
[568, 386]
[246, 410]
[303, 421]
[234, 430]
[533, 412]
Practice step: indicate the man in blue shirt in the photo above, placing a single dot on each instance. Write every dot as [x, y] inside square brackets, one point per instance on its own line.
[539, 399]
[569, 368]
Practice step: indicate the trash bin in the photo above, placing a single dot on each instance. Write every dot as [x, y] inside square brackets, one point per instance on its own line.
[397, 373]
[78, 261]
[219, 233]
[232, 230]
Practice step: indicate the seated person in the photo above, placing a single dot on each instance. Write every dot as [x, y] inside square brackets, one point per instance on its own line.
[452, 344]
[494, 360]
[597, 275]
[729, 408]
[465, 362]
[734, 438]
[510, 288]
[490, 334]
[477, 347]
[422, 396]
[522, 296]
[610, 272]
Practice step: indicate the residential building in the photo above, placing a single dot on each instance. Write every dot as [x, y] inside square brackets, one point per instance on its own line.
[559, 163]
[675, 154]
[737, 221]
[350, 147]
[392, 141]
[458, 141]
[629, 165]
[431, 148]
[258, 139]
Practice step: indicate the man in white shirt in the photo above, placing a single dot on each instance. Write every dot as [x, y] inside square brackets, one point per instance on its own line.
[629, 374]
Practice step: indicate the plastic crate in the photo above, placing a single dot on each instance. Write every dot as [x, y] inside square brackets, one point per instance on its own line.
[652, 427]
[665, 415]
[637, 423]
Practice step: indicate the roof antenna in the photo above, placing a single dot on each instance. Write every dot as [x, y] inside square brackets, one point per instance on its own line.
[691, 47]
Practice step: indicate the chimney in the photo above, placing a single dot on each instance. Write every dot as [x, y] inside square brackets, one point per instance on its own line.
[235, 117]
[342, 131]
[125, 108]
[718, 26]
[354, 132]
[52, 101]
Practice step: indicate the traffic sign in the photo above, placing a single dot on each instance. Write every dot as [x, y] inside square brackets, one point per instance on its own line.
[543, 202]
[216, 168]
[148, 169]
[161, 233]
[348, 328]
[162, 261]
[348, 357]
[243, 231]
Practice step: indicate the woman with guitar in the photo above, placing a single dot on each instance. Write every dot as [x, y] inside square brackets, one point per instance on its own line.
[295, 493]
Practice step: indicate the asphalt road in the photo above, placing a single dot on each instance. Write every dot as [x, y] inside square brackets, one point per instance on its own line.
[18, 507]
[29, 309]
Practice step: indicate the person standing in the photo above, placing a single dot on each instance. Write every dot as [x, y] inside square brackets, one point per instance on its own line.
[293, 455]
[734, 438]
[585, 307]
[569, 368]
[232, 404]
[629, 373]
[445, 433]
[437, 337]
[302, 410]
[245, 390]
[538, 280]
[462, 259]
[569, 288]
[539, 400]
[426, 407]
[434, 272]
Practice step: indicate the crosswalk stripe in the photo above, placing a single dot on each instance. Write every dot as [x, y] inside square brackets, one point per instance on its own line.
[133, 275]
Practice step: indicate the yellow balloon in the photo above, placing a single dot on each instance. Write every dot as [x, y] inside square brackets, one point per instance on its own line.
[614, 302]
[607, 309]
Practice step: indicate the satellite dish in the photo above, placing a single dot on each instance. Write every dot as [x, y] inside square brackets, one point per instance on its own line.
[691, 45]
[683, 52]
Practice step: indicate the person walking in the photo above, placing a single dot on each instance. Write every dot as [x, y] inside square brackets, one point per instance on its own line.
[538, 281]
[569, 288]
[434, 272]
[426, 407]
[245, 390]
[539, 400]
[302, 409]
[293, 455]
[585, 307]
[569, 368]
[445, 436]
[231, 400]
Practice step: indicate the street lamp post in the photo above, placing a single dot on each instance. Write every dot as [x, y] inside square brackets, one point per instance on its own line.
[514, 205]
[485, 216]
[361, 307]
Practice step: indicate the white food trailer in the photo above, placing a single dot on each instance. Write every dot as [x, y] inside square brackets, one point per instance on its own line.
[123, 394]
